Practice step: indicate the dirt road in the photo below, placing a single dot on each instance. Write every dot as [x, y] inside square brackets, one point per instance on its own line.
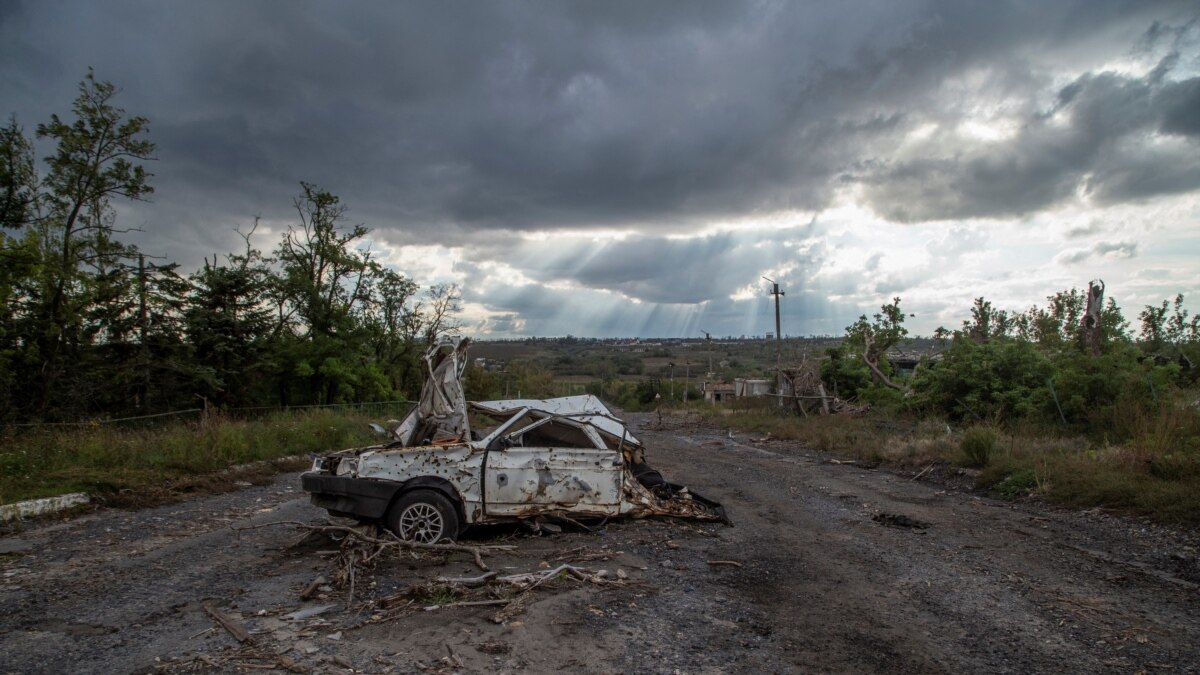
[829, 568]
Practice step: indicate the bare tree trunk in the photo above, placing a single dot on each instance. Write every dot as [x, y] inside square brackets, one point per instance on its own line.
[873, 364]
[1091, 317]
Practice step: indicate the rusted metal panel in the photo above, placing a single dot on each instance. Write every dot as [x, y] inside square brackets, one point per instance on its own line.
[458, 464]
[576, 480]
[639, 501]
[585, 409]
[442, 411]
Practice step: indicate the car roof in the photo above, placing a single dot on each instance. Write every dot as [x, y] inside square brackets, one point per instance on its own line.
[585, 409]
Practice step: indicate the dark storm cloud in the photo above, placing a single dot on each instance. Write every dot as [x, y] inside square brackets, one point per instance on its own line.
[1095, 138]
[458, 124]
[524, 115]
[1181, 108]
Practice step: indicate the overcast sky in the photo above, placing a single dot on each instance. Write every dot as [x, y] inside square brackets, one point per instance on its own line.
[635, 168]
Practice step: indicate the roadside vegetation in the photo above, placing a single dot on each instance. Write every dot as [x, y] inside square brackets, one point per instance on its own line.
[94, 327]
[127, 466]
[1028, 403]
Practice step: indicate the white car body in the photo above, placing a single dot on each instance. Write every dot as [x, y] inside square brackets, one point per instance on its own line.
[567, 457]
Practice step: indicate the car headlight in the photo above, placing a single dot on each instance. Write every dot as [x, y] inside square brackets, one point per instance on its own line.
[346, 467]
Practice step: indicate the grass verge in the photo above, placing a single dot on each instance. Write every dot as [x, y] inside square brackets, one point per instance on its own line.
[144, 466]
[1155, 474]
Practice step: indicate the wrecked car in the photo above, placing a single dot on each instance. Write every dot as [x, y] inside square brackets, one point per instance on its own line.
[567, 458]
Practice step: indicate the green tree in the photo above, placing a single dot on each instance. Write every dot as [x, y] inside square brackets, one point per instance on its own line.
[77, 272]
[1164, 327]
[1167, 334]
[873, 339]
[1059, 325]
[394, 328]
[18, 177]
[131, 357]
[321, 271]
[987, 322]
[480, 384]
[228, 322]
[18, 191]
[844, 372]
[325, 288]
[531, 380]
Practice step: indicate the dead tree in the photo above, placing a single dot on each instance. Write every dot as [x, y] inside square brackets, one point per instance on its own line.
[1091, 317]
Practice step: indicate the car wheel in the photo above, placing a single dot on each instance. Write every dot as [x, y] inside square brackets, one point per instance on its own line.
[423, 516]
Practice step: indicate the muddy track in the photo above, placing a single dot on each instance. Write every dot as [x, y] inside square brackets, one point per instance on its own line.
[829, 568]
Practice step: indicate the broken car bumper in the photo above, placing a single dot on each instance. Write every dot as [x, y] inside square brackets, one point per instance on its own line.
[346, 496]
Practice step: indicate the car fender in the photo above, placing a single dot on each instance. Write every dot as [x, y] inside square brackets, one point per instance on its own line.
[433, 483]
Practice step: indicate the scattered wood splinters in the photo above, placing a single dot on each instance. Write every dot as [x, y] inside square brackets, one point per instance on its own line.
[228, 623]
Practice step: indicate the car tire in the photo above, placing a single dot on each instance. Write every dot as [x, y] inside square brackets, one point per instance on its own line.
[424, 517]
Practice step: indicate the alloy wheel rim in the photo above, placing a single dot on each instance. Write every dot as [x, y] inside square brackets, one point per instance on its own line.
[421, 523]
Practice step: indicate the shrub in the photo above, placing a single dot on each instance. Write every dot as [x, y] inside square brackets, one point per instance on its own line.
[1002, 380]
[844, 372]
[1017, 484]
[979, 445]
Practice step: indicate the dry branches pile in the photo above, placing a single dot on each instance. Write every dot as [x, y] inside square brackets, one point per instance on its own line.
[513, 591]
[361, 546]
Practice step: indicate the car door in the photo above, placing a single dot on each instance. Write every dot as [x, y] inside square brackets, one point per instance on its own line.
[523, 480]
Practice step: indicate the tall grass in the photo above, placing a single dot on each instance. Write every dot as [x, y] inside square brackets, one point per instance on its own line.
[978, 445]
[1155, 473]
[118, 464]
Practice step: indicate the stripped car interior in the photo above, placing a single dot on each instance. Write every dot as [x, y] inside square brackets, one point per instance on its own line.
[568, 458]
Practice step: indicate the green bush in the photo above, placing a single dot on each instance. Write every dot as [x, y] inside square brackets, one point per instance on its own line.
[1017, 484]
[1000, 381]
[979, 445]
[844, 372]
[880, 396]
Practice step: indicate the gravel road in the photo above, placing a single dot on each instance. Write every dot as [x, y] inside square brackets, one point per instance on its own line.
[830, 567]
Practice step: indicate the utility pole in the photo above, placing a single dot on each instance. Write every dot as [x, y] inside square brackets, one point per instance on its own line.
[778, 335]
[708, 341]
[778, 344]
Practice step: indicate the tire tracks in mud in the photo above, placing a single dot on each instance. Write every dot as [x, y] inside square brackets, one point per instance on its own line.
[989, 586]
